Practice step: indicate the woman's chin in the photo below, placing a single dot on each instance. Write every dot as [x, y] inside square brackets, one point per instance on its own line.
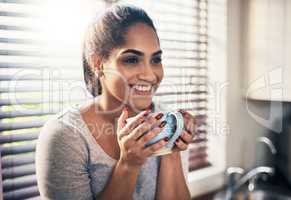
[141, 103]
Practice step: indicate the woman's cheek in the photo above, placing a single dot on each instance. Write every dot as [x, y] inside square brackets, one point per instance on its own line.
[122, 88]
[117, 85]
[160, 73]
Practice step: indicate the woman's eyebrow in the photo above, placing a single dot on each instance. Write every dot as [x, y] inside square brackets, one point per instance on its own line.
[139, 52]
[158, 52]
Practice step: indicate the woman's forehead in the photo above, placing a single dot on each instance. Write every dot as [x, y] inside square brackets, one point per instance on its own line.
[141, 37]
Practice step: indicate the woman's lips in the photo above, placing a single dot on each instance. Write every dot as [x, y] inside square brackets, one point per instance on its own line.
[143, 93]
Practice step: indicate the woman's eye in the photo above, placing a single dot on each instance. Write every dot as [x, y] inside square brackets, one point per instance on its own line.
[157, 60]
[131, 60]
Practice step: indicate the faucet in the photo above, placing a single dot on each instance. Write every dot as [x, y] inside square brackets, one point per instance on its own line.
[261, 152]
[253, 174]
[232, 173]
[269, 144]
[234, 183]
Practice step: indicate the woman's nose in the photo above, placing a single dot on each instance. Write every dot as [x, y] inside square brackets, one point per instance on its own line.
[147, 73]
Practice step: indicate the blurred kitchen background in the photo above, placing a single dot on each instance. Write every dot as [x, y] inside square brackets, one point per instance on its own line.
[226, 59]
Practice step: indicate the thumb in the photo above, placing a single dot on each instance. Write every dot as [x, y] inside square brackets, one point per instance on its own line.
[123, 117]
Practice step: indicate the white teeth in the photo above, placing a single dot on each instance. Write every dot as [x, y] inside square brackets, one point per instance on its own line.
[143, 88]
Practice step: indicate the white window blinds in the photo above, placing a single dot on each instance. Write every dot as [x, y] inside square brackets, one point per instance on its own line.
[41, 73]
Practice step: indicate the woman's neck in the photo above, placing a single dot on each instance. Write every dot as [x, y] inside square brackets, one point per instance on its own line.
[111, 110]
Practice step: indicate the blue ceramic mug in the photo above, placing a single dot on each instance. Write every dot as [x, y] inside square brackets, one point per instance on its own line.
[173, 129]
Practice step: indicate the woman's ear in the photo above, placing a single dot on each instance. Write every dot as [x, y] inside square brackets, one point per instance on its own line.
[95, 63]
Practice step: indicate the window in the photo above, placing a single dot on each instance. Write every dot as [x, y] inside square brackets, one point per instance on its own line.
[41, 73]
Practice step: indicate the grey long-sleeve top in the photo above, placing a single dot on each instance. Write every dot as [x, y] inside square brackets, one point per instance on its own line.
[70, 164]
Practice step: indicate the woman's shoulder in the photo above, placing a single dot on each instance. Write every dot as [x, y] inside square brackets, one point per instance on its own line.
[63, 127]
[68, 118]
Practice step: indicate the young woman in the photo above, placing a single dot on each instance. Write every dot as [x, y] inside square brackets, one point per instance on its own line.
[90, 151]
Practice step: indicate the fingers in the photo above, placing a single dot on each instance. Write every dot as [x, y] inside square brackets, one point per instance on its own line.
[150, 135]
[135, 121]
[186, 137]
[148, 151]
[182, 142]
[190, 125]
[181, 145]
[122, 118]
[138, 136]
[191, 122]
[145, 126]
[129, 126]
[199, 119]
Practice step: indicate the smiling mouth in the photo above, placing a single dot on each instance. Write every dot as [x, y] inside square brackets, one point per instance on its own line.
[143, 90]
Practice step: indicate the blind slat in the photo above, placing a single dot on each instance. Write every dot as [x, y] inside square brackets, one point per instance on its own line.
[18, 137]
[199, 140]
[20, 65]
[21, 193]
[30, 77]
[199, 163]
[26, 113]
[180, 93]
[34, 66]
[185, 101]
[17, 160]
[5, 102]
[190, 41]
[19, 183]
[36, 88]
[20, 125]
[16, 28]
[17, 149]
[14, 14]
[165, 29]
[18, 41]
[18, 171]
[20, 1]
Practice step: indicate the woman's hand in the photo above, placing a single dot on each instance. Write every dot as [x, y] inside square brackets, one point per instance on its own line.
[132, 140]
[191, 124]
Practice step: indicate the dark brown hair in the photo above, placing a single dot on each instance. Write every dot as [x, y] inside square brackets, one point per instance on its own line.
[106, 32]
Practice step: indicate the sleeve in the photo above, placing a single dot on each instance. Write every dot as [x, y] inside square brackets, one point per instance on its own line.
[61, 163]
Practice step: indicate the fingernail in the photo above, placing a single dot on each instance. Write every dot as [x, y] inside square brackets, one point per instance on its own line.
[125, 109]
[181, 111]
[146, 113]
[187, 132]
[166, 139]
[187, 114]
[184, 112]
[159, 116]
[163, 124]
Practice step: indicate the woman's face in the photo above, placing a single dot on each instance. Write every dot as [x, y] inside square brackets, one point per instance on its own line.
[133, 72]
